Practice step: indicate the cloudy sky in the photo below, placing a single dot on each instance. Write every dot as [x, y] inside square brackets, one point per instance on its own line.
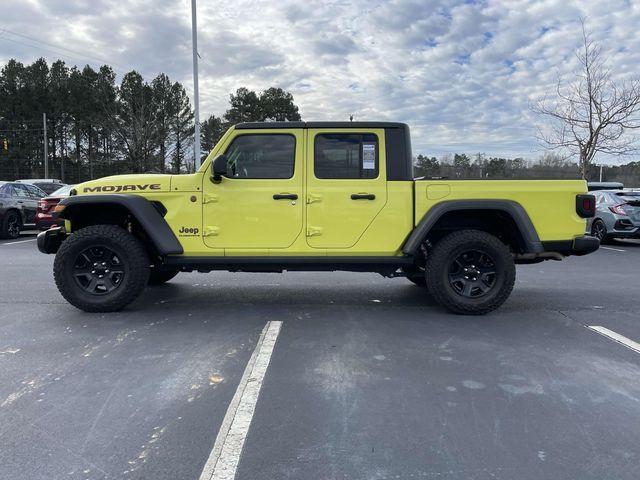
[461, 73]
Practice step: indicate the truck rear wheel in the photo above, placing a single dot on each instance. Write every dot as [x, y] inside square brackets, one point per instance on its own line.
[101, 268]
[470, 272]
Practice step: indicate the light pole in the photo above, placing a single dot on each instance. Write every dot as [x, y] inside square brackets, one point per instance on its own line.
[196, 93]
[46, 146]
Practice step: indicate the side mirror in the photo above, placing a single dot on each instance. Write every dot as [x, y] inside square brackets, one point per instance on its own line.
[219, 168]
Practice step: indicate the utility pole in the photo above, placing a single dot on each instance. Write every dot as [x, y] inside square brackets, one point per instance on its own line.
[46, 147]
[196, 93]
[601, 172]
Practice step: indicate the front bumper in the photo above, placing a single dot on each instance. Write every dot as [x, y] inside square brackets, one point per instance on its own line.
[50, 240]
[578, 246]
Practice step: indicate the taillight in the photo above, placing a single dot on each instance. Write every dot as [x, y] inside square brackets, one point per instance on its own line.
[618, 209]
[586, 205]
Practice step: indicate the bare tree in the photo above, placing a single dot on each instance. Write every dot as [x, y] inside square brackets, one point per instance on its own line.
[593, 113]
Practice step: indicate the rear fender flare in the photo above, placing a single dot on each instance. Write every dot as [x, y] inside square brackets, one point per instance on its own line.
[513, 209]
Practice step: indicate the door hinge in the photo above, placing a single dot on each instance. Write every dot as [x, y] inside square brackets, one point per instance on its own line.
[209, 198]
[314, 231]
[210, 231]
[313, 198]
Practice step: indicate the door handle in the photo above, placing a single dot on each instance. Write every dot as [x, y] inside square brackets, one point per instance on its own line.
[363, 196]
[285, 196]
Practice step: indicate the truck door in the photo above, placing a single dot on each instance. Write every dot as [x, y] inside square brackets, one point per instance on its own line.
[258, 205]
[346, 184]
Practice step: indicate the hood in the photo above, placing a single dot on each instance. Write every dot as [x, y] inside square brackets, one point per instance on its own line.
[126, 184]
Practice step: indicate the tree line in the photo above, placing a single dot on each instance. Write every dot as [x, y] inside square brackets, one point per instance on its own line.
[548, 166]
[97, 127]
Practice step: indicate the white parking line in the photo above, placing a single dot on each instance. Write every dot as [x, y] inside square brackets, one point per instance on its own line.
[225, 456]
[19, 241]
[614, 249]
[616, 337]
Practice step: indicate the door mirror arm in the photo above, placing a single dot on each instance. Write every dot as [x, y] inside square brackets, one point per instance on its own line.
[218, 168]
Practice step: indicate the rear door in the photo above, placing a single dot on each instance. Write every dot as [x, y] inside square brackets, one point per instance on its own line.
[346, 185]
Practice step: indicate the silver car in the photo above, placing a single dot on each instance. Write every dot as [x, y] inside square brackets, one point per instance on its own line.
[617, 214]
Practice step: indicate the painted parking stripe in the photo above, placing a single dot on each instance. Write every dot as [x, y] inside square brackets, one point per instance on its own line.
[616, 337]
[19, 241]
[225, 456]
[614, 249]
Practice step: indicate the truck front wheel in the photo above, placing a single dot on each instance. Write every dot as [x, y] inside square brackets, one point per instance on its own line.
[101, 268]
[470, 272]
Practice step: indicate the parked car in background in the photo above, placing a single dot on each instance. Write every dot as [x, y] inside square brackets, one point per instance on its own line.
[617, 215]
[594, 186]
[48, 185]
[18, 204]
[44, 212]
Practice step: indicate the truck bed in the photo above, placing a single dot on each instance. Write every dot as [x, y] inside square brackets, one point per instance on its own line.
[549, 203]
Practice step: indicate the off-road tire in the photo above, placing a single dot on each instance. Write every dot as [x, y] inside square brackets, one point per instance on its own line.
[10, 216]
[451, 247]
[130, 251]
[159, 276]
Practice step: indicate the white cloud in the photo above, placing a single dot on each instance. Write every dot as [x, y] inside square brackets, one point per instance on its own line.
[461, 73]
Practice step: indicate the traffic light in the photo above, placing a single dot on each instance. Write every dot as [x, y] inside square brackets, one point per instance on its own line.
[5, 145]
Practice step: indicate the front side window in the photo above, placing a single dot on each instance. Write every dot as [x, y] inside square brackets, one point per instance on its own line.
[261, 156]
[346, 155]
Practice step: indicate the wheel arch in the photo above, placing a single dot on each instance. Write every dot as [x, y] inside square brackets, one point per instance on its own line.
[505, 218]
[88, 210]
[20, 213]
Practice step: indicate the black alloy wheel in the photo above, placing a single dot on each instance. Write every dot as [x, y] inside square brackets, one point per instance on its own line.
[472, 274]
[98, 270]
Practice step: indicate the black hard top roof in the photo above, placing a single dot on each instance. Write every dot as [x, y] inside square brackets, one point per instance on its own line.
[270, 125]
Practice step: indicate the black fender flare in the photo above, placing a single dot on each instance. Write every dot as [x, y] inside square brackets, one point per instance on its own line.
[145, 213]
[513, 209]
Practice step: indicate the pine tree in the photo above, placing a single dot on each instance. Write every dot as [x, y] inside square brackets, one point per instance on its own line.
[181, 127]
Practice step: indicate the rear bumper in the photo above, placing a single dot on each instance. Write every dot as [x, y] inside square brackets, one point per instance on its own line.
[50, 240]
[46, 223]
[578, 246]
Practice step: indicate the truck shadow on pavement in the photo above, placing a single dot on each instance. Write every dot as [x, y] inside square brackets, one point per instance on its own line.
[395, 293]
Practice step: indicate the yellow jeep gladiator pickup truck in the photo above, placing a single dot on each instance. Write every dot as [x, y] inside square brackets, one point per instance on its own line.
[313, 196]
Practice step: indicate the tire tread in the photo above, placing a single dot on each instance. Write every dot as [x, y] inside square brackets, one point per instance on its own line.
[436, 262]
[138, 268]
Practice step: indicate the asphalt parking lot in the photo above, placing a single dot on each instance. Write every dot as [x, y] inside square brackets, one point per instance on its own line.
[368, 378]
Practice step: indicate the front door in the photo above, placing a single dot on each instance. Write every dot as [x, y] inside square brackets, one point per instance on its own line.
[346, 185]
[258, 204]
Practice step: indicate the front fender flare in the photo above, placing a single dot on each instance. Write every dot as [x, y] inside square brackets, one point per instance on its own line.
[147, 216]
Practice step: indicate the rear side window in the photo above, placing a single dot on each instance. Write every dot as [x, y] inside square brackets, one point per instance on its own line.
[261, 156]
[346, 155]
[35, 192]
